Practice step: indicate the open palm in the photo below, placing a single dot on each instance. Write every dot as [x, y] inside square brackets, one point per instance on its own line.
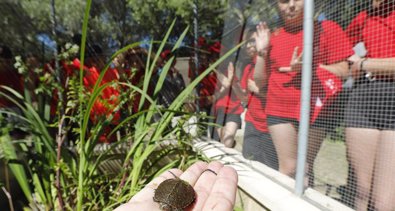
[214, 191]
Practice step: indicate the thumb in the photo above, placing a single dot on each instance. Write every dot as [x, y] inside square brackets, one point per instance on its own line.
[285, 69]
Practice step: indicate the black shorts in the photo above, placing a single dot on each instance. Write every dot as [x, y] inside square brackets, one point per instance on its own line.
[320, 122]
[372, 105]
[221, 118]
[259, 146]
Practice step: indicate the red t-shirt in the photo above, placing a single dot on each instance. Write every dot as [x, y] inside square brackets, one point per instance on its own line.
[283, 97]
[207, 85]
[377, 33]
[255, 114]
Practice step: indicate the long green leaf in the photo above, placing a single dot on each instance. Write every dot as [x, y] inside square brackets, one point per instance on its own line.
[82, 161]
[180, 39]
[148, 75]
[17, 169]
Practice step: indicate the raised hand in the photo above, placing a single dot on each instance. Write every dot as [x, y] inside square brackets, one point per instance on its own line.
[296, 62]
[262, 37]
[226, 81]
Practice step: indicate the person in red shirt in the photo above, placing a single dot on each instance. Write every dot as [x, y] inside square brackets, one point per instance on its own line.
[9, 75]
[280, 54]
[370, 113]
[227, 109]
[257, 144]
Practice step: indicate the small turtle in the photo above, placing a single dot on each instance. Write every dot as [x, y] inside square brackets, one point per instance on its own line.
[174, 194]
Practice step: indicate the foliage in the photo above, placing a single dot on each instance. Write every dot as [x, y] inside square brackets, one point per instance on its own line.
[59, 164]
[113, 24]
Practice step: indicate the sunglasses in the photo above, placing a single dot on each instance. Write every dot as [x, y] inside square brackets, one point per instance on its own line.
[250, 42]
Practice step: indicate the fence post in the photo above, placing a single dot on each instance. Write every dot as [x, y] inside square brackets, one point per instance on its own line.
[303, 135]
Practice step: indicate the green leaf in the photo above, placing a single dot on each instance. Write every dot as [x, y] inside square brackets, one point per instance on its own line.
[17, 169]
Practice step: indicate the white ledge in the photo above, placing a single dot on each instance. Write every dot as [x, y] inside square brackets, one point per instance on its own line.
[265, 185]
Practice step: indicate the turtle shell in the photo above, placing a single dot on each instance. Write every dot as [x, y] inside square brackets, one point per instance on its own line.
[175, 194]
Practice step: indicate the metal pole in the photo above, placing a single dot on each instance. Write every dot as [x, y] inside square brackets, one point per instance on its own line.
[196, 55]
[303, 135]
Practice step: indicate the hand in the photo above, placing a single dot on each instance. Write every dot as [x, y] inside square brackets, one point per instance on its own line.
[262, 37]
[252, 87]
[214, 191]
[226, 81]
[296, 62]
[223, 80]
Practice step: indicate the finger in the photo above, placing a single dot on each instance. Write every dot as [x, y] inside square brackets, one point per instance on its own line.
[300, 56]
[261, 27]
[205, 183]
[285, 69]
[192, 174]
[223, 193]
[149, 190]
[295, 54]
[231, 70]
[264, 25]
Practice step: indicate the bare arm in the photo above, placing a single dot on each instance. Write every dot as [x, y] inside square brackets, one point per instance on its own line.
[262, 39]
[377, 66]
[340, 69]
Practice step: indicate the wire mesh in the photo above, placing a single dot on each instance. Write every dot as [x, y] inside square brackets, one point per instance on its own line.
[350, 156]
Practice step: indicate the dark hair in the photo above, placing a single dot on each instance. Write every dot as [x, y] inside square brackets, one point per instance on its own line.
[249, 32]
[386, 7]
[5, 52]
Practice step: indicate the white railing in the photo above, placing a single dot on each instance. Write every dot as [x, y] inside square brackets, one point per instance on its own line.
[267, 187]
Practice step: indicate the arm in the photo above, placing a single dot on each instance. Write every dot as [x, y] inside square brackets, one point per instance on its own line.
[339, 69]
[339, 49]
[262, 39]
[377, 66]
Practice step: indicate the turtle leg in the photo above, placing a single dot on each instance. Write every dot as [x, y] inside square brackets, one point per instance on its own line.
[166, 207]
